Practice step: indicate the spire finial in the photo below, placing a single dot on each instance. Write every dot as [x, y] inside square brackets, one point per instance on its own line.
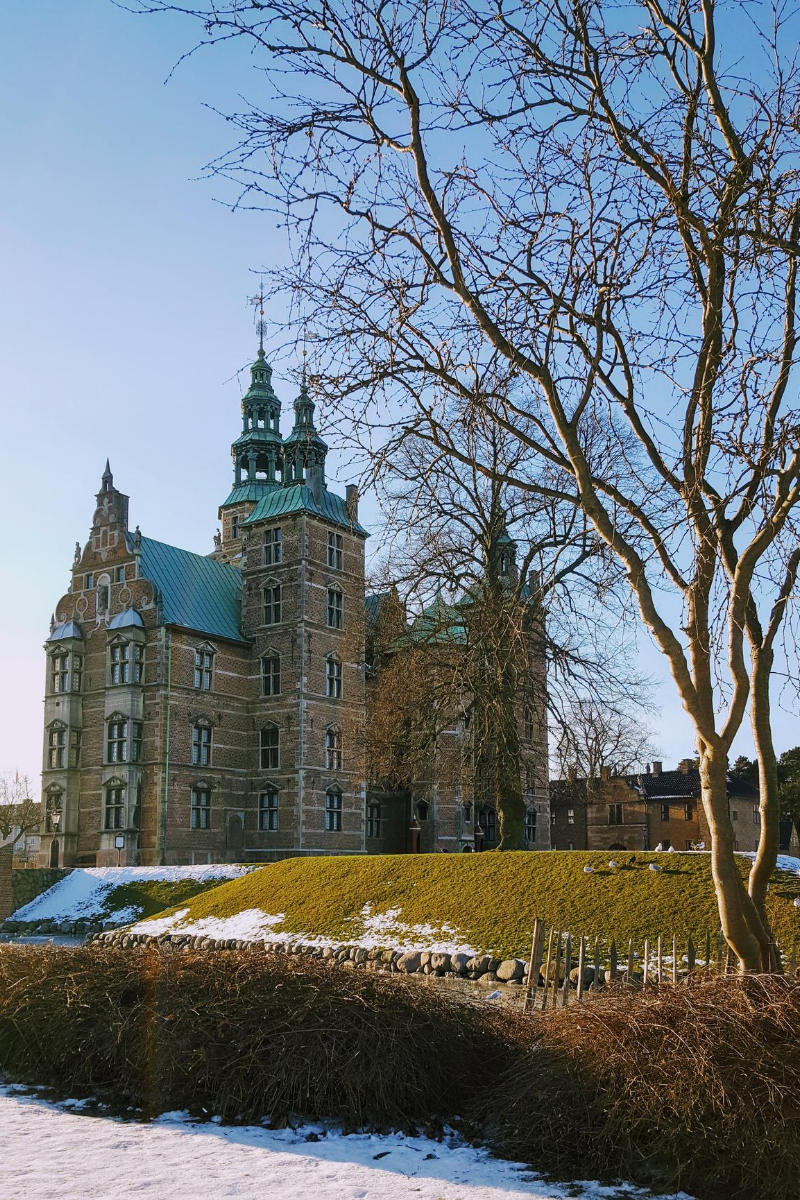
[108, 478]
[260, 323]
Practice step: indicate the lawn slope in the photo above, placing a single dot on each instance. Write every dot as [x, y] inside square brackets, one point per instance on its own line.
[484, 902]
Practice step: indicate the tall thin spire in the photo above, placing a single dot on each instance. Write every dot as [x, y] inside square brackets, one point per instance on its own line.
[108, 478]
[260, 322]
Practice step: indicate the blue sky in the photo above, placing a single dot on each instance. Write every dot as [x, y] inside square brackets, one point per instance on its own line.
[123, 313]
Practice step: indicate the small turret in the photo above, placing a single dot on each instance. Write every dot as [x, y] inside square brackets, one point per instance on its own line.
[304, 450]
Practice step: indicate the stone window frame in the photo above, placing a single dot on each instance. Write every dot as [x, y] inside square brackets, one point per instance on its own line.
[335, 551]
[374, 818]
[334, 800]
[333, 747]
[487, 819]
[200, 809]
[60, 673]
[272, 607]
[125, 662]
[204, 670]
[269, 755]
[57, 750]
[202, 742]
[334, 682]
[270, 655]
[272, 549]
[127, 742]
[334, 608]
[530, 823]
[268, 812]
[115, 800]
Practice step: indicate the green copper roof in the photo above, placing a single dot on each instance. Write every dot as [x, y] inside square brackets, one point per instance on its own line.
[298, 497]
[247, 491]
[195, 592]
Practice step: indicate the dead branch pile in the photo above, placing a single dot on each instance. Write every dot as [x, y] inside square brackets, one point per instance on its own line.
[695, 1087]
[245, 1034]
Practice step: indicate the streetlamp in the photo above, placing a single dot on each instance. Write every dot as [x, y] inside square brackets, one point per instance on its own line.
[119, 846]
[478, 839]
[55, 819]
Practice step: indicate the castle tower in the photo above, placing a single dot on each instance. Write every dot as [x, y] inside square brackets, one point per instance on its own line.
[257, 456]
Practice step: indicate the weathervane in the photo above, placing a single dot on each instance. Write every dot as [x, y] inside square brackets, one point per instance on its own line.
[260, 323]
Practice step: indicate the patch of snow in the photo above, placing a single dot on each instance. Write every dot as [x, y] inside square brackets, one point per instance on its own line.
[84, 892]
[98, 1157]
[372, 931]
[786, 862]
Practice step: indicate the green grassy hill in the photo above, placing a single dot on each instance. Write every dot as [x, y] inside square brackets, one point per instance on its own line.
[488, 901]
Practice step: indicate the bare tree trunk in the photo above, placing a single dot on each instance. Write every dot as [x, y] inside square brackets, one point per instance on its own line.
[741, 924]
[769, 801]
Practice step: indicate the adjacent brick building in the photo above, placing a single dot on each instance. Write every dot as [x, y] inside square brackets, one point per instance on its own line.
[208, 708]
[646, 811]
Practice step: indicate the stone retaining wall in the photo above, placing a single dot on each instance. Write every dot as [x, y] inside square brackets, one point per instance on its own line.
[29, 882]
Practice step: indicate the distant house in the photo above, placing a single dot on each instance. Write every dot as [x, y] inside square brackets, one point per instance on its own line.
[26, 844]
[645, 811]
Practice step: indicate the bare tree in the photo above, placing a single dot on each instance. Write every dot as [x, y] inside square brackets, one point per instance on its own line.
[19, 813]
[608, 199]
[597, 734]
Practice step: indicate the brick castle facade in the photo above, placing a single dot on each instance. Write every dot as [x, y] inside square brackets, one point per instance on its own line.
[209, 708]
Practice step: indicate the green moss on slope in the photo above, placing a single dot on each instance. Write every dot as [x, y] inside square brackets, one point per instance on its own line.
[152, 896]
[490, 900]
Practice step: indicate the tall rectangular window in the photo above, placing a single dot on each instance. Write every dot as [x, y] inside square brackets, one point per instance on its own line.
[333, 749]
[268, 810]
[273, 547]
[119, 574]
[201, 745]
[121, 662]
[664, 812]
[75, 748]
[234, 526]
[333, 810]
[373, 820]
[530, 824]
[688, 812]
[272, 604]
[271, 675]
[615, 814]
[90, 580]
[60, 673]
[137, 664]
[335, 551]
[570, 816]
[118, 741]
[201, 808]
[77, 672]
[270, 748]
[334, 608]
[57, 739]
[333, 678]
[203, 669]
[136, 741]
[756, 815]
[115, 807]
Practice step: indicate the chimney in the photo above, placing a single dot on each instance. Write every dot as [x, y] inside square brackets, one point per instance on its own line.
[605, 772]
[572, 774]
[351, 497]
[656, 767]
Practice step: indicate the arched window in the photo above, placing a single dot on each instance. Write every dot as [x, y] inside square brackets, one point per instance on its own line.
[268, 809]
[373, 820]
[201, 745]
[487, 819]
[270, 747]
[530, 824]
[333, 678]
[333, 809]
[115, 804]
[333, 748]
[271, 674]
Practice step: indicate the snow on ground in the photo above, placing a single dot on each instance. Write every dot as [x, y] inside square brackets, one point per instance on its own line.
[786, 862]
[371, 931]
[56, 1153]
[83, 893]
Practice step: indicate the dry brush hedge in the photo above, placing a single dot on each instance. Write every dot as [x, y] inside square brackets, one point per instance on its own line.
[695, 1086]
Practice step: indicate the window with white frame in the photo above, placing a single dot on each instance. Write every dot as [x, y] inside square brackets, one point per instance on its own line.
[570, 816]
[77, 672]
[273, 547]
[335, 608]
[271, 675]
[120, 662]
[373, 820]
[270, 747]
[117, 741]
[273, 604]
[333, 809]
[333, 678]
[268, 809]
[57, 746]
[201, 808]
[335, 551]
[201, 745]
[115, 805]
[203, 668]
[59, 672]
[333, 748]
[530, 824]
[75, 748]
